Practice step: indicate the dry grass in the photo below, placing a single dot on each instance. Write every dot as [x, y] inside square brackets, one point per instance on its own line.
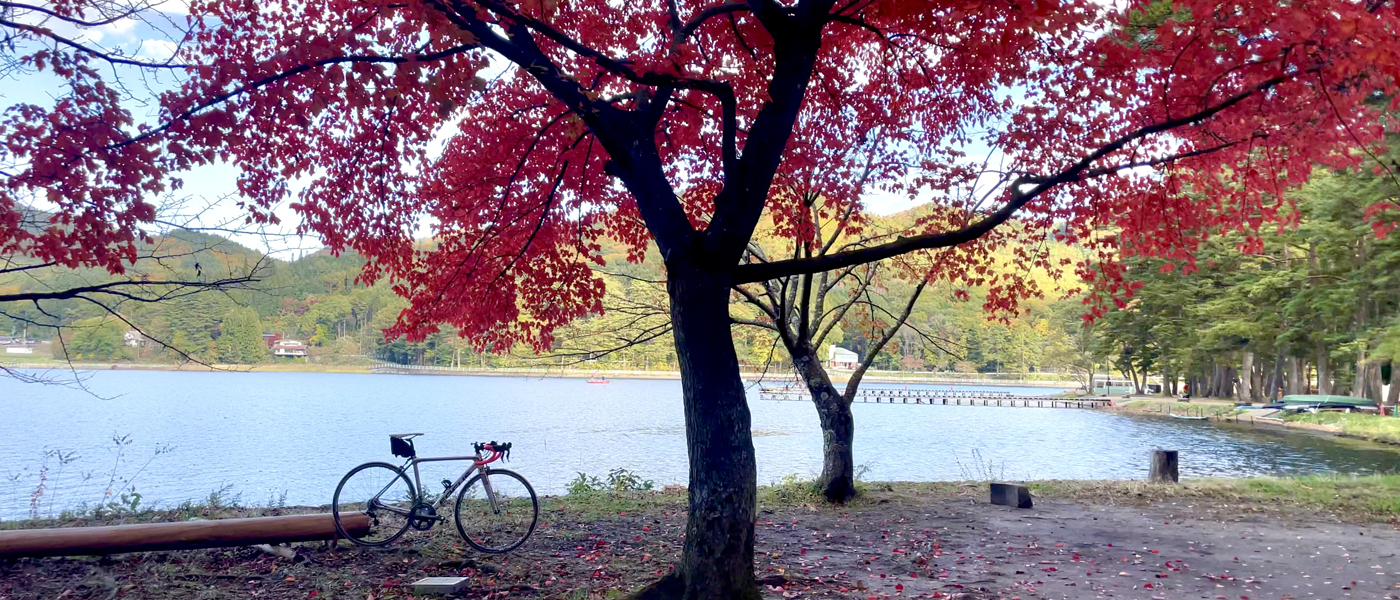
[1371, 498]
[1209, 407]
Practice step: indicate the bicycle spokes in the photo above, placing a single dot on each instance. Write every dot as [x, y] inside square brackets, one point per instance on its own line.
[384, 493]
[497, 511]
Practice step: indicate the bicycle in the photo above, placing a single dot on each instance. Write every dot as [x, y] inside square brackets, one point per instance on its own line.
[496, 510]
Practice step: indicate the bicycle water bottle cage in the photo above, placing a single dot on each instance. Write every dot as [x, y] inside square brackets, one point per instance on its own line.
[401, 447]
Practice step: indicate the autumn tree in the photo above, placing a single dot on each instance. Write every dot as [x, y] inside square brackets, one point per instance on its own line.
[804, 310]
[518, 134]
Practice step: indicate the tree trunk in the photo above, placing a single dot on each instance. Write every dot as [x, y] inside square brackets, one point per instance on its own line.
[1164, 467]
[1373, 384]
[1324, 369]
[837, 481]
[1276, 381]
[1247, 388]
[717, 561]
[1358, 381]
[1132, 375]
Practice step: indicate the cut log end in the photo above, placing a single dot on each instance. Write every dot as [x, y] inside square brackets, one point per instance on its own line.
[1164, 467]
[1010, 494]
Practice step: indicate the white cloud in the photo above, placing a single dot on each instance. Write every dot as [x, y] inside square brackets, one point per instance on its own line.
[119, 26]
[157, 49]
[175, 7]
[114, 31]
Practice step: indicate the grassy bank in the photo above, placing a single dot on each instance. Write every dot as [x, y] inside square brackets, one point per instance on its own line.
[1373, 498]
[1360, 499]
[1364, 426]
[1207, 407]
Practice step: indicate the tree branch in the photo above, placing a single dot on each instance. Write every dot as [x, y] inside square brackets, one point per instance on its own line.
[1080, 170]
[853, 383]
[682, 33]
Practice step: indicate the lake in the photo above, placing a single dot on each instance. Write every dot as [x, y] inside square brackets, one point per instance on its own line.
[272, 437]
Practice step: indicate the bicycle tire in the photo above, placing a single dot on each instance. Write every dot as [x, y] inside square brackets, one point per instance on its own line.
[474, 491]
[337, 506]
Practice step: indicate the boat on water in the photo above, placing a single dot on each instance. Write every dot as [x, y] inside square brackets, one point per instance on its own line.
[1190, 418]
[598, 379]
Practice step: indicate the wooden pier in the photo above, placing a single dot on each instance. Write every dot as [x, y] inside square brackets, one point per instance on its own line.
[938, 398]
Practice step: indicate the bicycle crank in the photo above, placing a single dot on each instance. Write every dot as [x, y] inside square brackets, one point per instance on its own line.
[423, 517]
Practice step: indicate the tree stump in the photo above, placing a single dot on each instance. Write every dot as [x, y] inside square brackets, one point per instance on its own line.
[1010, 494]
[1164, 468]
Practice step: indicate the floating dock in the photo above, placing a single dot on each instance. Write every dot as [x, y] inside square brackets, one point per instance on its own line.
[936, 397]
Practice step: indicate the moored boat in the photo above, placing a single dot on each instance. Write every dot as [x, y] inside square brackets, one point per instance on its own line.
[1326, 402]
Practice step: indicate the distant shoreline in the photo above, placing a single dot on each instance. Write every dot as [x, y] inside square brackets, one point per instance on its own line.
[383, 368]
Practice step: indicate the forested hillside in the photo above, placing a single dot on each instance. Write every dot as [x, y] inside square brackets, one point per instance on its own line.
[315, 300]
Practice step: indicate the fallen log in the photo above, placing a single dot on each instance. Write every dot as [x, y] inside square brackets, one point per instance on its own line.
[183, 535]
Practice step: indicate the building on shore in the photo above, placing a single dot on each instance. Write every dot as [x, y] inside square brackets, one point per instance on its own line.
[289, 349]
[841, 358]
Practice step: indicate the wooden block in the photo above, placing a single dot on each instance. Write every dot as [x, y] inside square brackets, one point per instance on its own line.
[1164, 467]
[1010, 494]
[439, 585]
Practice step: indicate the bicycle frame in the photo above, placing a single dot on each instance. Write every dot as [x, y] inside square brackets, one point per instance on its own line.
[478, 464]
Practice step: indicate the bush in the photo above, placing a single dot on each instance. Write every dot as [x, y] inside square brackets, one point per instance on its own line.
[617, 481]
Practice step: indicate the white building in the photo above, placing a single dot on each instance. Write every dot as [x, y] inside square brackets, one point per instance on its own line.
[841, 358]
[288, 348]
[134, 339]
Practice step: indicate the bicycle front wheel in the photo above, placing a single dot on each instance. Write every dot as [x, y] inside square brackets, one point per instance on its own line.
[496, 511]
[380, 490]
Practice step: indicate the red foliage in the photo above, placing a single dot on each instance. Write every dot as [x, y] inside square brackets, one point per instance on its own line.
[519, 135]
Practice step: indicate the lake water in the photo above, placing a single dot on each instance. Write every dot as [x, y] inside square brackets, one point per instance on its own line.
[292, 436]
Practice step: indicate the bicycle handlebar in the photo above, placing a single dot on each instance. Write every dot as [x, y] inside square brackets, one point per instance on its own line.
[501, 449]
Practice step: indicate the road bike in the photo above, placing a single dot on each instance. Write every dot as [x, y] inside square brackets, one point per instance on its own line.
[496, 509]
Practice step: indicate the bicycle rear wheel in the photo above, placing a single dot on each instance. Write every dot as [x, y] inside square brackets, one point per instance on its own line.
[502, 520]
[381, 490]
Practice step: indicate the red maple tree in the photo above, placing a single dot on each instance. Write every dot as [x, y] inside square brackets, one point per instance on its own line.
[522, 132]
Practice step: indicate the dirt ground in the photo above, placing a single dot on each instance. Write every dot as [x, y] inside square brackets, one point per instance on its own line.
[892, 544]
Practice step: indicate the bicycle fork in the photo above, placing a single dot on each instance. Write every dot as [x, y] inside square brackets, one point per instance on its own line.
[490, 493]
